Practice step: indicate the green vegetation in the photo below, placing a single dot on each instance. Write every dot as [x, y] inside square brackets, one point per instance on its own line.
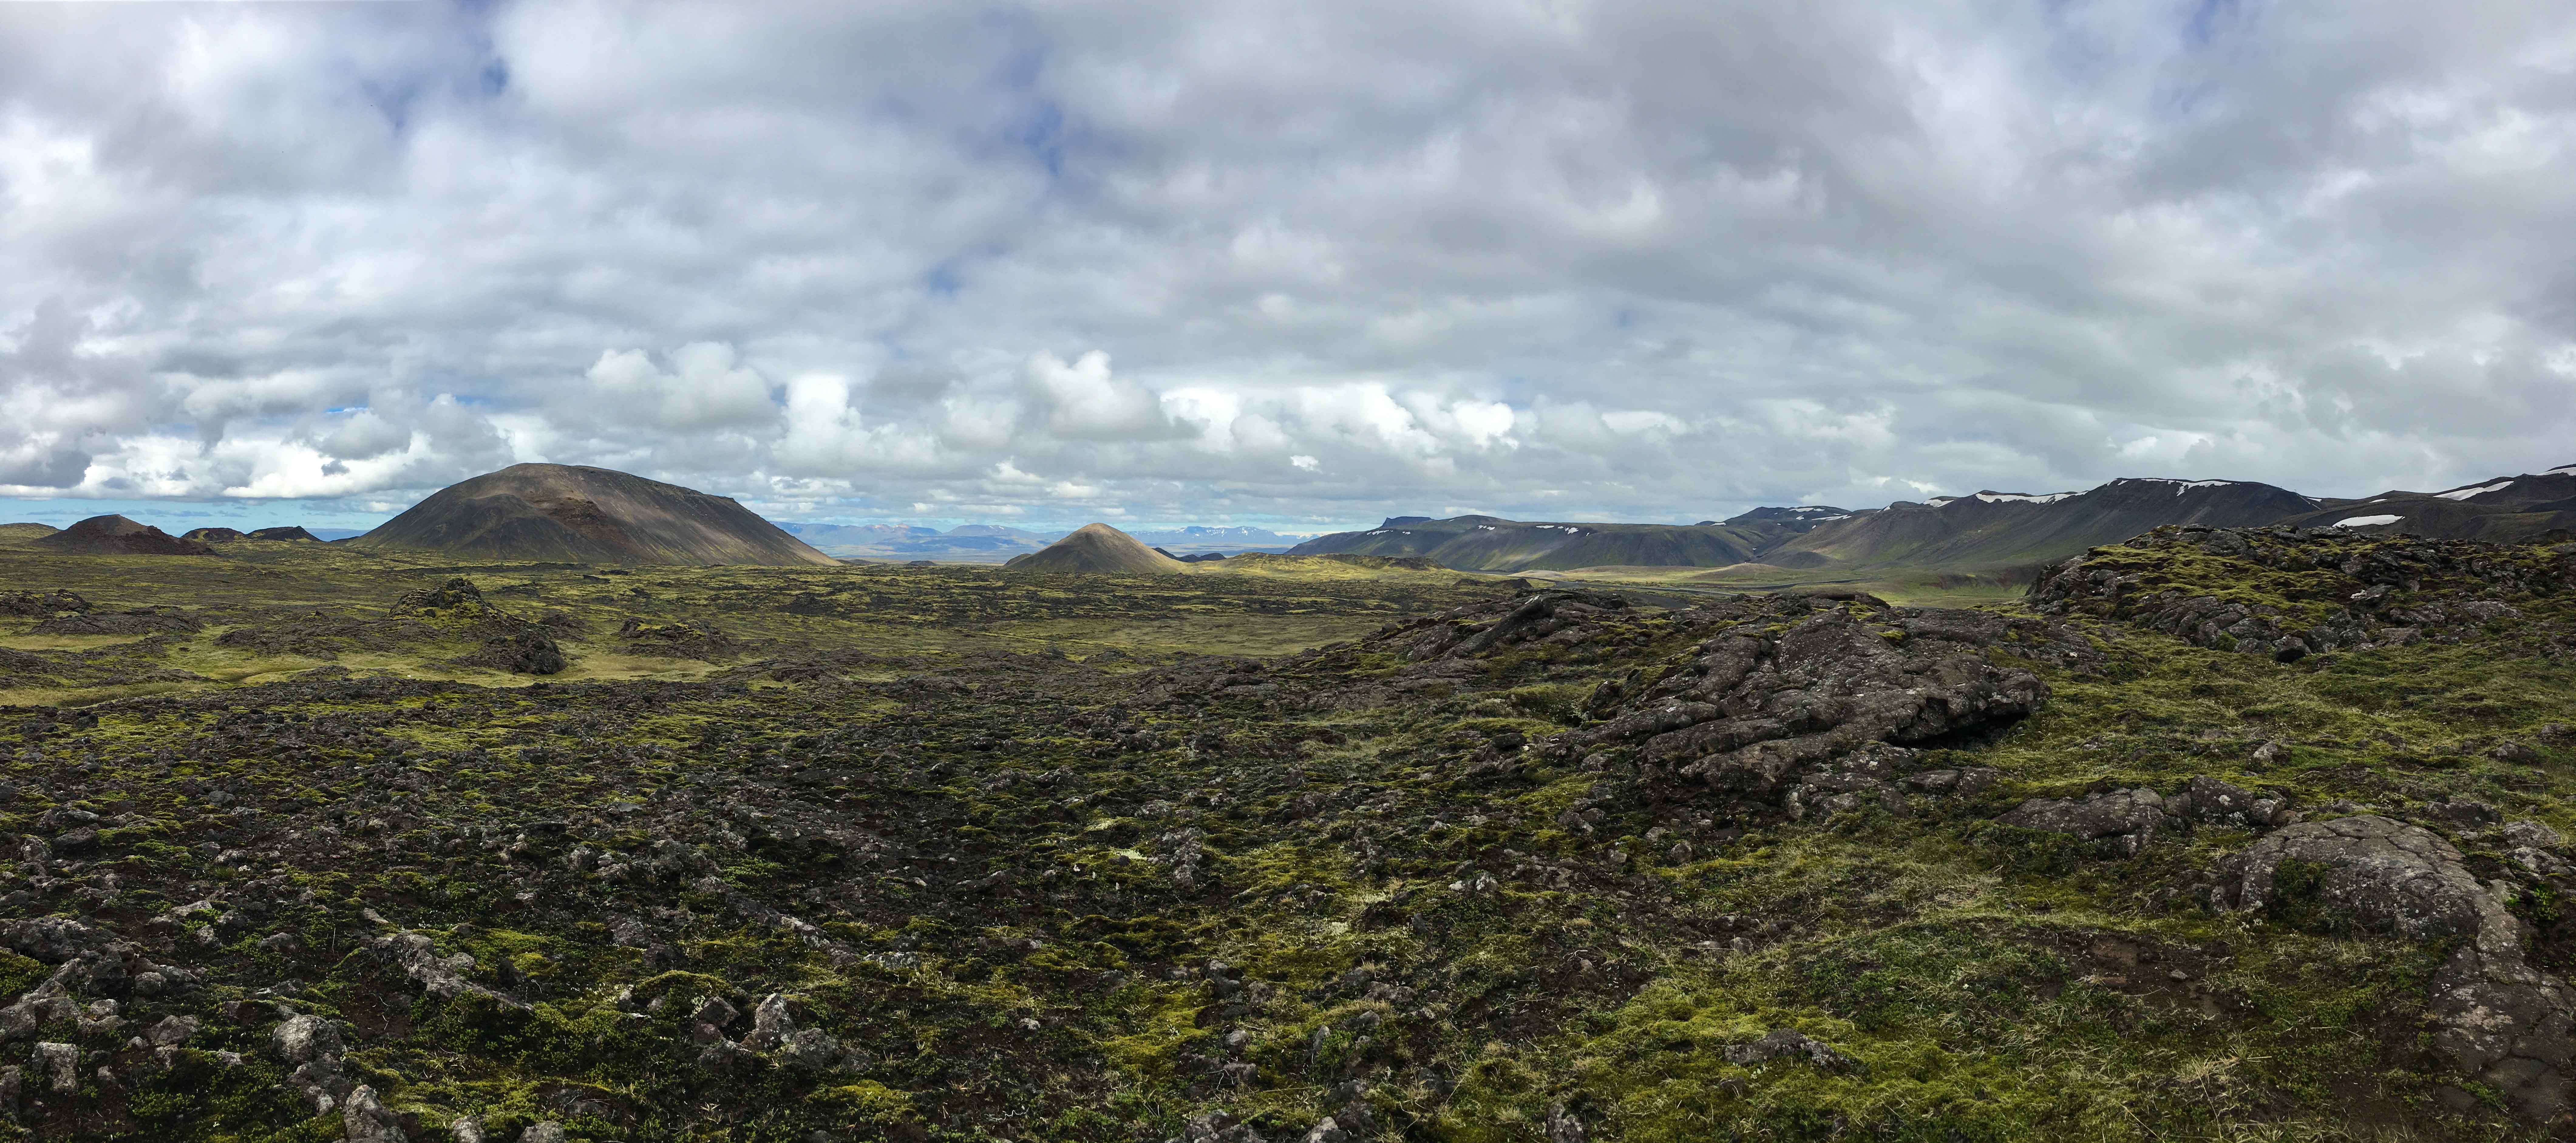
[961, 854]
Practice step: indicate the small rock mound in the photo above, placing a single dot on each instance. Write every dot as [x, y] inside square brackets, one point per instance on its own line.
[457, 598]
[527, 651]
[214, 535]
[289, 532]
[118, 536]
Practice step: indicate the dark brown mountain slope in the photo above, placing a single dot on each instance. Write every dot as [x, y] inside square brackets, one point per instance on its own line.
[576, 514]
[2506, 510]
[2009, 529]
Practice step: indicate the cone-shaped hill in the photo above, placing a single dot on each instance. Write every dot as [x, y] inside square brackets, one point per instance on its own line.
[1098, 548]
[561, 512]
[118, 536]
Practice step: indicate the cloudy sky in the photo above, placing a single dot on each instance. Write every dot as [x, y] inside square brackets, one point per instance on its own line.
[1304, 263]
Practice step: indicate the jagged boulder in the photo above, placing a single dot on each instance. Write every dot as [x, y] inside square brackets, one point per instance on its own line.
[527, 651]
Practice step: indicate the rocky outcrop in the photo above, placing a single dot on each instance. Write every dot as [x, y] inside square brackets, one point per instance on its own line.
[2498, 1020]
[1754, 709]
[2336, 590]
[2128, 820]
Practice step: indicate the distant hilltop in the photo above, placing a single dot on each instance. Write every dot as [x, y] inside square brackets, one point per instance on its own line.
[996, 543]
[578, 514]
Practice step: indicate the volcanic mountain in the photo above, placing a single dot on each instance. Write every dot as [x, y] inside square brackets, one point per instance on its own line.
[1993, 530]
[2506, 510]
[1990, 530]
[575, 514]
[118, 536]
[1097, 548]
[1493, 543]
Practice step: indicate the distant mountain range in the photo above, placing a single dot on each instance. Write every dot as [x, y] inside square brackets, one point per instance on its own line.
[1987, 531]
[594, 515]
[995, 543]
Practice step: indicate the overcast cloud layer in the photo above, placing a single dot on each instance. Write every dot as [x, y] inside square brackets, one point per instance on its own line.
[1298, 262]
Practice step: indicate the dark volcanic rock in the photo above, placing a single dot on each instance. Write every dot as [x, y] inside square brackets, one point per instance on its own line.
[1756, 707]
[214, 535]
[118, 536]
[529, 651]
[455, 598]
[39, 604]
[138, 621]
[289, 532]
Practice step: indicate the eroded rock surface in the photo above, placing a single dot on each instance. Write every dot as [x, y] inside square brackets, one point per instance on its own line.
[2501, 1021]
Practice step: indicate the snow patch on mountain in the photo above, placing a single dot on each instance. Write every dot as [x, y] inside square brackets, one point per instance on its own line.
[2465, 493]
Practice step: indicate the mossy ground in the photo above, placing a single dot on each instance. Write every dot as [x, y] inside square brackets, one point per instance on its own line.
[976, 793]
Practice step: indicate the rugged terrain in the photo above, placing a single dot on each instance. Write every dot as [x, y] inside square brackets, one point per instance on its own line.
[2222, 833]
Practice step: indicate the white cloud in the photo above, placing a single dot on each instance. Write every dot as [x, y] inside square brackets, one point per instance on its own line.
[704, 388]
[1646, 260]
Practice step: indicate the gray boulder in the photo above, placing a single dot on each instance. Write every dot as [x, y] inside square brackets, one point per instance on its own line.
[368, 1120]
[60, 1063]
[2498, 1020]
[2387, 875]
[771, 1024]
[302, 1039]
